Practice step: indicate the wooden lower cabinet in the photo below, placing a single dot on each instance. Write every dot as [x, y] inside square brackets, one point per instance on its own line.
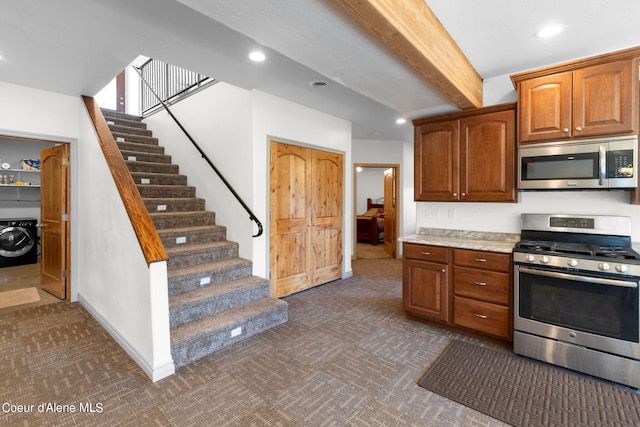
[464, 290]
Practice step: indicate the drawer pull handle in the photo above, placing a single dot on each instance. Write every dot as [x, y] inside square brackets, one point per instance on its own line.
[482, 316]
[480, 259]
[425, 253]
[480, 283]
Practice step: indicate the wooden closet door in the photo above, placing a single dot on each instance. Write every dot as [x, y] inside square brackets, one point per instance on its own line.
[326, 216]
[305, 219]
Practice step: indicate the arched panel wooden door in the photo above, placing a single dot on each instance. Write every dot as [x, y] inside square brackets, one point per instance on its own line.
[305, 218]
[54, 209]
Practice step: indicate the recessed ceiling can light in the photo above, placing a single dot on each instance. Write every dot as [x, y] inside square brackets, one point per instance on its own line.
[401, 121]
[549, 31]
[318, 83]
[257, 56]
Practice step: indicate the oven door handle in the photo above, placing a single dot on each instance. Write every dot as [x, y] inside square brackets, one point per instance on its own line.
[596, 280]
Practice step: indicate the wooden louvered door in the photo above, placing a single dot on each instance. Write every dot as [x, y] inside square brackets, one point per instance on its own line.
[305, 218]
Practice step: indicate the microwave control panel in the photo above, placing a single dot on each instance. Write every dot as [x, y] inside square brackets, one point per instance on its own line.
[620, 164]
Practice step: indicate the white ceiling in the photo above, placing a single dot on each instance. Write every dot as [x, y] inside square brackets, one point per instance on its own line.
[76, 47]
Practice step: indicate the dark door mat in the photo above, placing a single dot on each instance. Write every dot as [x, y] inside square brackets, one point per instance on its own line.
[524, 392]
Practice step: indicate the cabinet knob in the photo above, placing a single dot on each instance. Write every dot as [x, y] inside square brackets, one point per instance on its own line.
[480, 260]
[480, 283]
[455, 194]
[482, 316]
[443, 270]
[463, 194]
[425, 253]
[565, 130]
[578, 128]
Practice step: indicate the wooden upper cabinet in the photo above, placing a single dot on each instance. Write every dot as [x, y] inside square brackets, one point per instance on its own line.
[545, 108]
[605, 99]
[592, 97]
[487, 157]
[436, 161]
[468, 156]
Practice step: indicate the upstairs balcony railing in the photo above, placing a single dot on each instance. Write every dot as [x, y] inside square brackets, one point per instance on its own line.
[169, 83]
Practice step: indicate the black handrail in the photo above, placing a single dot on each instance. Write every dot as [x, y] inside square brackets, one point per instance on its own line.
[252, 217]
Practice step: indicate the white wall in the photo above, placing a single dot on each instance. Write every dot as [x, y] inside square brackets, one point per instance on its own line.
[505, 217]
[219, 119]
[369, 184]
[101, 238]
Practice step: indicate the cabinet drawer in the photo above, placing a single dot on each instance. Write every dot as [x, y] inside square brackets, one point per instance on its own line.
[483, 259]
[483, 317]
[482, 284]
[425, 252]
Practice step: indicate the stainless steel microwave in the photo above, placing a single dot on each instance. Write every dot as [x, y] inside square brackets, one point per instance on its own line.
[607, 163]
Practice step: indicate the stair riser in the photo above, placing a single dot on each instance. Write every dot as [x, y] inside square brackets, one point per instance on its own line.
[158, 179]
[207, 307]
[184, 284]
[108, 114]
[196, 349]
[126, 123]
[197, 257]
[168, 220]
[170, 240]
[134, 156]
[166, 191]
[130, 130]
[139, 139]
[140, 148]
[173, 205]
[152, 167]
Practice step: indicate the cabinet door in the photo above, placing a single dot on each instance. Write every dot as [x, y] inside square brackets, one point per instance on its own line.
[425, 289]
[544, 108]
[605, 99]
[487, 158]
[436, 157]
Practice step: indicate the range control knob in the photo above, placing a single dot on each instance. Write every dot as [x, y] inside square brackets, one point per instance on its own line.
[531, 258]
[621, 268]
[544, 259]
[572, 262]
[603, 266]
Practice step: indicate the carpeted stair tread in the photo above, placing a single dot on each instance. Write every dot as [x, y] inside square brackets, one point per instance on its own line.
[192, 235]
[187, 278]
[136, 147]
[115, 128]
[182, 219]
[154, 204]
[141, 156]
[168, 191]
[150, 167]
[112, 113]
[208, 300]
[194, 340]
[186, 255]
[159, 178]
[126, 122]
[140, 139]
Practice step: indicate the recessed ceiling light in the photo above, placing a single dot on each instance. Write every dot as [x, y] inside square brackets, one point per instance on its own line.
[401, 121]
[257, 56]
[549, 31]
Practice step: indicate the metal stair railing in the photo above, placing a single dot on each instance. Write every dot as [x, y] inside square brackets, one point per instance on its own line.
[252, 216]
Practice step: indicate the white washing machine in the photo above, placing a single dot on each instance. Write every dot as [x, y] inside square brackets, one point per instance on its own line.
[18, 241]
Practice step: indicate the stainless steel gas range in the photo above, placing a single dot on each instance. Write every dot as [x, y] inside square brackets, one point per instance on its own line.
[576, 295]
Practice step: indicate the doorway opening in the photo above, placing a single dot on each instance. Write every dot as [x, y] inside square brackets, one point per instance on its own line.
[22, 193]
[376, 207]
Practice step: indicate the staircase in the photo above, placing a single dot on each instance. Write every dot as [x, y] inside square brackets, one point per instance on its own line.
[214, 300]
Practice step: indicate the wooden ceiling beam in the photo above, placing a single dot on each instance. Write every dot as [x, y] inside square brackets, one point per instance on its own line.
[411, 30]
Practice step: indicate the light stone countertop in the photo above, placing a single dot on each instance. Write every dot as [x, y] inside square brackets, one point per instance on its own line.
[476, 240]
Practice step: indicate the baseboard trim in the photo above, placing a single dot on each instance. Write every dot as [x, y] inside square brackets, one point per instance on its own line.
[155, 374]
